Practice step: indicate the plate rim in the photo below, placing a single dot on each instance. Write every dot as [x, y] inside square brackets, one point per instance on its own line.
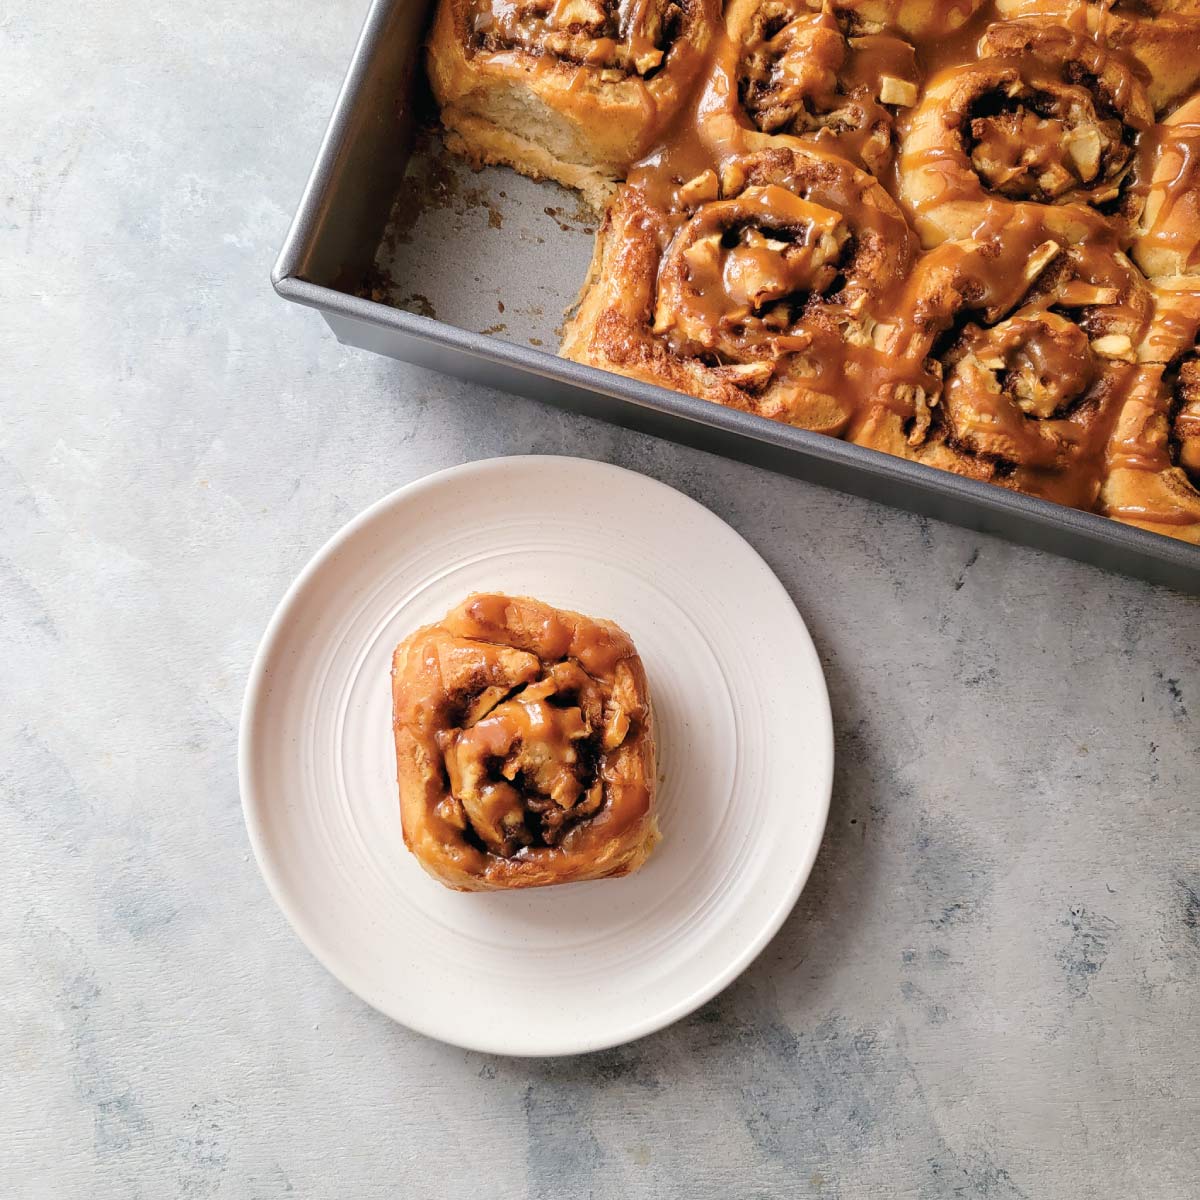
[252, 803]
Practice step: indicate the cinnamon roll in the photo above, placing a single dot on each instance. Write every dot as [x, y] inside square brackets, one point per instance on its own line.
[809, 74]
[1167, 231]
[744, 284]
[1162, 36]
[1044, 118]
[570, 90]
[1153, 477]
[524, 747]
[1013, 357]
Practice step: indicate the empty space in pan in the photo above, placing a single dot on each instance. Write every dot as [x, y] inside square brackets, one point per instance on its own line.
[484, 250]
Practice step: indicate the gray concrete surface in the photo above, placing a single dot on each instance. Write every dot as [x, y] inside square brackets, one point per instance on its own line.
[990, 987]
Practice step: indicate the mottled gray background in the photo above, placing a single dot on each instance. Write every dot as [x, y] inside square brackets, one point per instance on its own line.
[989, 988]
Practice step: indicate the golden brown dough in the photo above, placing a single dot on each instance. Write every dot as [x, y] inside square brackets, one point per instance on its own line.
[1167, 196]
[524, 747]
[1153, 475]
[742, 287]
[1044, 118]
[570, 90]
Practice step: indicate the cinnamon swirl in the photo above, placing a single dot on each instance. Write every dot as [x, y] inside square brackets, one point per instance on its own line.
[1153, 477]
[1026, 346]
[570, 90]
[744, 287]
[1043, 118]
[524, 747]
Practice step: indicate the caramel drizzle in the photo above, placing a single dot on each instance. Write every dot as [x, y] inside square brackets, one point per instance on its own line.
[803, 251]
[1168, 170]
[1168, 433]
[1048, 140]
[1029, 388]
[1159, 430]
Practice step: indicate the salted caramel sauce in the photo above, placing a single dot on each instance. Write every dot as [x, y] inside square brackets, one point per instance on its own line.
[769, 251]
[1167, 171]
[749, 257]
[1176, 327]
[1011, 384]
[876, 57]
[1158, 508]
[1136, 448]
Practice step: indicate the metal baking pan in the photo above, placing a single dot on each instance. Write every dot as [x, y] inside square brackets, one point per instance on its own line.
[410, 254]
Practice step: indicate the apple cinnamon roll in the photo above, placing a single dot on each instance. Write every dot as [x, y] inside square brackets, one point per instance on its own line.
[745, 284]
[524, 747]
[811, 75]
[1153, 477]
[1013, 357]
[570, 90]
[1044, 118]
[1162, 36]
[1167, 191]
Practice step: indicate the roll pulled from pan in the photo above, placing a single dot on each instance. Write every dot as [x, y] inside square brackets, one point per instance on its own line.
[570, 90]
[524, 747]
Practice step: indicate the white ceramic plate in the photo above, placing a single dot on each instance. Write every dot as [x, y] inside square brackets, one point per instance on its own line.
[745, 752]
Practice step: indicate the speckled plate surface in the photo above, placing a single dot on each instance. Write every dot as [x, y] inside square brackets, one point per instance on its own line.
[745, 753]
